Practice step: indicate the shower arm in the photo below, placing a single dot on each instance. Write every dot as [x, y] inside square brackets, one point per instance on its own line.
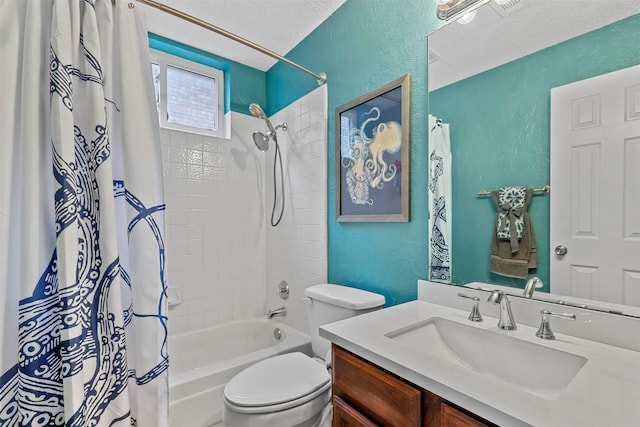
[322, 77]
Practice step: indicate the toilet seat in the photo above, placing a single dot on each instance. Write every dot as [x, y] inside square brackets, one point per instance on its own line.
[277, 383]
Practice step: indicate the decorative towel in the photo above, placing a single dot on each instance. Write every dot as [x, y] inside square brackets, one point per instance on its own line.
[439, 198]
[510, 221]
[504, 260]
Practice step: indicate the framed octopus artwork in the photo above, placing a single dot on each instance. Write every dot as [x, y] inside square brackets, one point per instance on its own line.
[372, 155]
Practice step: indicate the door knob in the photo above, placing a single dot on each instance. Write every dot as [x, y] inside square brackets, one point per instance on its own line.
[561, 250]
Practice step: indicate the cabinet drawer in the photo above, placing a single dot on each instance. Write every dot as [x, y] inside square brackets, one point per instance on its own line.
[376, 394]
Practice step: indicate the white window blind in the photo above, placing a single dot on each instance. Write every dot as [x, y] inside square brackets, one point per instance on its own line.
[189, 96]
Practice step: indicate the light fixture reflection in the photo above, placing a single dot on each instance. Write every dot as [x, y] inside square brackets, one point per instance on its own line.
[454, 9]
[467, 17]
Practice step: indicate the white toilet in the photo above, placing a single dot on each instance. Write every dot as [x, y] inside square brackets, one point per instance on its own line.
[294, 389]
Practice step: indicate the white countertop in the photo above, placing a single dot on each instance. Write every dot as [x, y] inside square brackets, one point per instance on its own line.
[606, 391]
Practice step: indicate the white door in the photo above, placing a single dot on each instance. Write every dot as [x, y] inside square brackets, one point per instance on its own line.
[595, 188]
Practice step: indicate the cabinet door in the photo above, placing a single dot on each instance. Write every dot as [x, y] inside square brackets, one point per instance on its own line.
[431, 404]
[373, 392]
[345, 416]
[451, 417]
[436, 412]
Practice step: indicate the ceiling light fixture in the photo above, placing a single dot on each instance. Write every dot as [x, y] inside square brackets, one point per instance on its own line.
[454, 9]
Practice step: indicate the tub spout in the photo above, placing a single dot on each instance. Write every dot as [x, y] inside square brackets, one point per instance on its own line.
[278, 312]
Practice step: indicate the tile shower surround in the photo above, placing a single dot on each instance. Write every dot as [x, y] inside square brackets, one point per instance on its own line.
[297, 248]
[221, 249]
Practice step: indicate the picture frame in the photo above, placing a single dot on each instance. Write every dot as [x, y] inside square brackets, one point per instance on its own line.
[373, 145]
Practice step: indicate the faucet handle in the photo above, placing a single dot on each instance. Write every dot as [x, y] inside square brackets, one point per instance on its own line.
[475, 315]
[545, 331]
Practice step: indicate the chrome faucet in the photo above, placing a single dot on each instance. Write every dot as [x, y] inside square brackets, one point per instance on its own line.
[506, 320]
[532, 284]
[278, 312]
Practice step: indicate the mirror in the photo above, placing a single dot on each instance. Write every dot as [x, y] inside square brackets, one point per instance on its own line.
[491, 80]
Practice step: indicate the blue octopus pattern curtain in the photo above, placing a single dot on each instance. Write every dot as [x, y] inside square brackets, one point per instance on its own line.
[82, 298]
[439, 201]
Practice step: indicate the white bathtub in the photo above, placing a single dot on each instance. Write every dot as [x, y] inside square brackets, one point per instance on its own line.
[201, 362]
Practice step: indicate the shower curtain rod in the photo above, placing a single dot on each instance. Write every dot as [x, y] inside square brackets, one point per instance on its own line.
[322, 77]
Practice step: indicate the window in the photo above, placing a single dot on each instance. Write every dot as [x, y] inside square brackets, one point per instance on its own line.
[189, 96]
[347, 119]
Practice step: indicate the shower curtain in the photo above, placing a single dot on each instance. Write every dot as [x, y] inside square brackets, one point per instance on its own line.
[82, 296]
[439, 201]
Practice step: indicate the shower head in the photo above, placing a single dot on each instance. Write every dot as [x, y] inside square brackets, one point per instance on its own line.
[261, 140]
[257, 111]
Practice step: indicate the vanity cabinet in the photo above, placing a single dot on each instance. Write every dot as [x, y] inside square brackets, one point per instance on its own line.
[378, 396]
[367, 395]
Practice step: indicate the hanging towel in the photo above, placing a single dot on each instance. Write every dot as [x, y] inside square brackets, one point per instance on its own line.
[510, 220]
[504, 260]
[439, 197]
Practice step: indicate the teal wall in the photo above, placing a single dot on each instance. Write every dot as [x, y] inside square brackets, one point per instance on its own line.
[367, 43]
[500, 136]
[362, 46]
[243, 85]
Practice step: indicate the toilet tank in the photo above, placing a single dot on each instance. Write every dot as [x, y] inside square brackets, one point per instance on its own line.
[327, 303]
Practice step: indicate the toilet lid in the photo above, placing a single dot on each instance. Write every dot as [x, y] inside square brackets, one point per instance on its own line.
[276, 380]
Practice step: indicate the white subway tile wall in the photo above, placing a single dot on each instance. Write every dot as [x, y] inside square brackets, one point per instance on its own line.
[215, 228]
[221, 253]
[296, 250]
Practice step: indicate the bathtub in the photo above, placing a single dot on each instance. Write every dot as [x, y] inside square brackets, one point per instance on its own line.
[201, 362]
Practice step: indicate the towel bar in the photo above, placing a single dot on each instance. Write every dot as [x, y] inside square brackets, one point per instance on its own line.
[546, 189]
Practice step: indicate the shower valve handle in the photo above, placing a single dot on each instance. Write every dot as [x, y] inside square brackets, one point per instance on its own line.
[283, 290]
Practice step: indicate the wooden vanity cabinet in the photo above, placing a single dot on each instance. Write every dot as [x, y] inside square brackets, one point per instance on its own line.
[365, 395]
[378, 396]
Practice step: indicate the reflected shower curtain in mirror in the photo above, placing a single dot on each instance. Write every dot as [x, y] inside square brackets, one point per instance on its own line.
[82, 296]
[439, 201]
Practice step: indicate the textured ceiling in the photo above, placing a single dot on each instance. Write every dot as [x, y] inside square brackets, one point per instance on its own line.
[496, 36]
[458, 51]
[278, 25]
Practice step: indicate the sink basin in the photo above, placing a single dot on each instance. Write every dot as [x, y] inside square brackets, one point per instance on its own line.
[534, 368]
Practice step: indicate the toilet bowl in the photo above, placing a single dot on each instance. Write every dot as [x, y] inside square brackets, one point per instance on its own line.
[287, 390]
[294, 389]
